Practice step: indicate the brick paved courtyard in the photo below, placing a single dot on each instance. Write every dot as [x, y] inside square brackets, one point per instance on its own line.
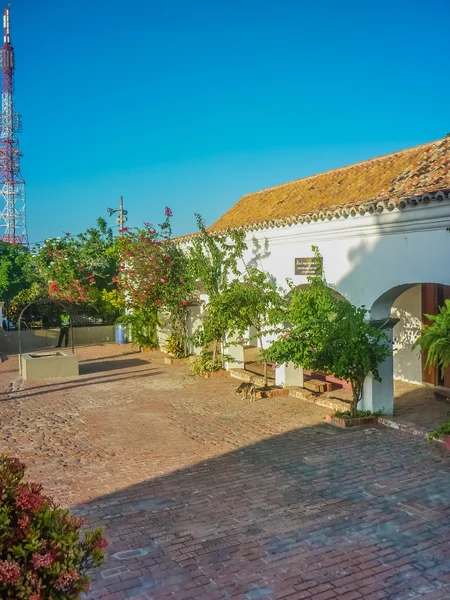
[205, 496]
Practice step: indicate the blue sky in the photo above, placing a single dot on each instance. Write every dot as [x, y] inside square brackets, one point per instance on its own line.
[192, 104]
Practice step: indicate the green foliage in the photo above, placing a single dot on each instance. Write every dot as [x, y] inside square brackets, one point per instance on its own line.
[142, 326]
[205, 363]
[253, 302]
[175, 347]
[43, 555]
[215, 256]
[77, 268]
[213, 259]
[330, 335]
[15, 270]
[155, 277]
[354, 348]
[347, 414]
[435, 339]
[24, 297]
[309, 317]
[441, 431]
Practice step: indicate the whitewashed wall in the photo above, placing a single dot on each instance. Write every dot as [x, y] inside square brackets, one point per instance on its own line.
[408, 362]
[364, 256]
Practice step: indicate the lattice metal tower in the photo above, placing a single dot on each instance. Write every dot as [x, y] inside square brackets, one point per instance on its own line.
[13, 227]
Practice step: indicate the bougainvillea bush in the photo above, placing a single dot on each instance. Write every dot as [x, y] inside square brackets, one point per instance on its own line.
[43, 554]
[154, 282]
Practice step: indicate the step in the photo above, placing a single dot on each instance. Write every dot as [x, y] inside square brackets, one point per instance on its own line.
[244, 375]
[318, 386]
[301, 393]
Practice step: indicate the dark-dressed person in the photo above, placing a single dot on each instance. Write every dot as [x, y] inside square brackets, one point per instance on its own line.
[64, 330]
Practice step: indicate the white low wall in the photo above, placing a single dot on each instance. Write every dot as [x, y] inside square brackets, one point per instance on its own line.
[48, 338]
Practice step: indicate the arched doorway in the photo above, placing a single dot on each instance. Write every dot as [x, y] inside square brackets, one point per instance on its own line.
[400, 312]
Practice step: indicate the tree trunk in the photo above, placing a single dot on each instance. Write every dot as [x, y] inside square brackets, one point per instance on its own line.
[215, 350]
[357, 394]
[266, 379]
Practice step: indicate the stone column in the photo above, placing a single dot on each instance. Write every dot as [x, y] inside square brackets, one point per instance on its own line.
[379, 395]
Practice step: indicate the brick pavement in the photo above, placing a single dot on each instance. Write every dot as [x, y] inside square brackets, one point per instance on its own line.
[203, 496]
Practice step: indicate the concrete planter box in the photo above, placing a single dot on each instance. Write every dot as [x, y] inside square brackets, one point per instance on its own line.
[47, 365]
[169, 360]
[345, 422]
[215, 374]
[271, 393]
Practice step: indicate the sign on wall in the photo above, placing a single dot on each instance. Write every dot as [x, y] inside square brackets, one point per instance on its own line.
[307, 266]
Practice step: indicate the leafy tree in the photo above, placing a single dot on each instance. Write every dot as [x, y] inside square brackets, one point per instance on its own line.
[435, 338]
[354, 348]
[154, 281]
[214, 258]
[16, 272]
[78, 268]
[252, 302]
[328, 334]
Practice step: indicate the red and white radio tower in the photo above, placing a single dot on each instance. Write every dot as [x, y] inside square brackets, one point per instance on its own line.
[13, 228]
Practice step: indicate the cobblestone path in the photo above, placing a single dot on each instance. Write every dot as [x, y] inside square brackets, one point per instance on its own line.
[205, 496]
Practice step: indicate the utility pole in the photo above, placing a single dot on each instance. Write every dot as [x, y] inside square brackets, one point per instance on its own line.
[122, 215]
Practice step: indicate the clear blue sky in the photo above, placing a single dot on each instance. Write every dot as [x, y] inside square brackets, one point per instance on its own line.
[194, 103]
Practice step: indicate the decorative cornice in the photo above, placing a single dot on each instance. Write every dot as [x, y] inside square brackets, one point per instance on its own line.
[341, 212]
[353, 210]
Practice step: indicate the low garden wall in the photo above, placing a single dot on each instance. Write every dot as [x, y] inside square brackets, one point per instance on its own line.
[37, 339]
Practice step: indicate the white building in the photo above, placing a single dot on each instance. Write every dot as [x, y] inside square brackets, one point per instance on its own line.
[381, 227]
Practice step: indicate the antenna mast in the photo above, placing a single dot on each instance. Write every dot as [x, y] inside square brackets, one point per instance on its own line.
[12, 185]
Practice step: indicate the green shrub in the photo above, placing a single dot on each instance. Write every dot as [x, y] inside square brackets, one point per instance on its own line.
[143, 327]
[438, 433]
[42, 554]
[174, 347]
[347, 414]
[435, 338]
[205, 363]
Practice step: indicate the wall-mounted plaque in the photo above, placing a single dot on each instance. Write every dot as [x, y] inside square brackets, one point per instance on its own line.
[307, 266]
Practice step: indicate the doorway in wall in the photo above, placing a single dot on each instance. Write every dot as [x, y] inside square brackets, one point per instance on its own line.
[434, 296]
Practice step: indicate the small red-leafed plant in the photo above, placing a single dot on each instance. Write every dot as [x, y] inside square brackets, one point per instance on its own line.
[44, 555]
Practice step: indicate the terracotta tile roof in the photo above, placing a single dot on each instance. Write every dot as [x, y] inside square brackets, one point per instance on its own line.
[409, 177]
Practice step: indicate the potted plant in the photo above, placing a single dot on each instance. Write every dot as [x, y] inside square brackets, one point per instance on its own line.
[208, 365]
[175, 349]
[142, 325]
[435, 339]
[442, 433]
[43, 554]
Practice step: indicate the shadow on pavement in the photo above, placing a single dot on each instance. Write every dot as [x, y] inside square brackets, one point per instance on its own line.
[99, 366]
[21, 394]
[312, 511]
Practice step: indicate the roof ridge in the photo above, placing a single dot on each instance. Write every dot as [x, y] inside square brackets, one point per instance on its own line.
[346, 167]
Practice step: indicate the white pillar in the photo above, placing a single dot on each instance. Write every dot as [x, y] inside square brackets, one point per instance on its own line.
[194, 320]
[289, 375]
[236, 354]
[379, 395]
